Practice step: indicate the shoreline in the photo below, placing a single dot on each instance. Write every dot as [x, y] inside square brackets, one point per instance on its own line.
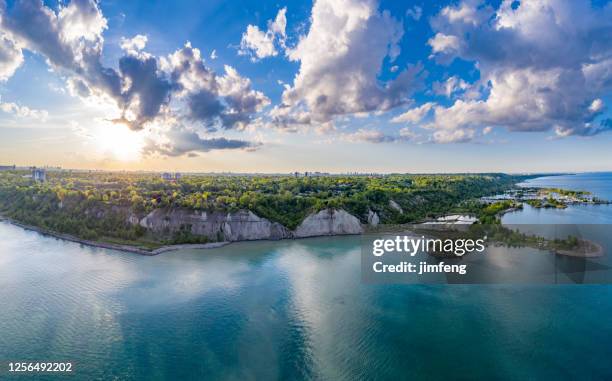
[596, 250]
[114, 246]
[137, 250]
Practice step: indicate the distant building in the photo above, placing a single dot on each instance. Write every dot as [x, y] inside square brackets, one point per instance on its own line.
[39, 175]
[167, 176]
[7, 167]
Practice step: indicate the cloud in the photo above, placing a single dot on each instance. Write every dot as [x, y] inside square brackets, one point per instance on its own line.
[242, 101]
[442, 44]
[135, 44]
[11, 58]
[415, 13]
[279, 25]
[143, 87]
[182, 141]
[453, 136]
[78, 87]
[259, 44]
[450, 87]
[414, 115]
[70, 40]
[340, 58]
[23, 111]
[226, 101]
[377, 136]
[544, 65]
[145, 92]
[369, 136]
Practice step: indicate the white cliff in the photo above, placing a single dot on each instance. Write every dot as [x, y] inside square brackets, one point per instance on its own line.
[395, 206]
[244, 225]
[238, 226]
[329, 222]
[373, 219]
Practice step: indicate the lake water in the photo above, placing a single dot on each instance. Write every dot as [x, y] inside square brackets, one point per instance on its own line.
[288, 310]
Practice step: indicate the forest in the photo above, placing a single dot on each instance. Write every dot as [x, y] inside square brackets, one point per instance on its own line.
[94, 204]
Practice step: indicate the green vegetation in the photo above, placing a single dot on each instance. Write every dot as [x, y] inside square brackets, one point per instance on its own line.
[514, 238]
[564, 192]
[489, 214]
[550, 202]
[100, 205]
[499, 234]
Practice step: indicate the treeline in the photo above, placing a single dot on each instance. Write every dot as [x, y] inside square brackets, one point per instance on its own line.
[95, 205]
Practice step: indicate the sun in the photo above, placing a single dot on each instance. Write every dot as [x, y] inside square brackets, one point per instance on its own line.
[119, 141]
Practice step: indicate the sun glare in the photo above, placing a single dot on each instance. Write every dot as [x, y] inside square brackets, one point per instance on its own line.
[119, 141]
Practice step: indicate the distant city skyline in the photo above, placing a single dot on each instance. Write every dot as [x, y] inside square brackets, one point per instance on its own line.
[330, 86]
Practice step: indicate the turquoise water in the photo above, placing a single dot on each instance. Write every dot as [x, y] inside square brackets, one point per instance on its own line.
[600, 184]
[283, 310]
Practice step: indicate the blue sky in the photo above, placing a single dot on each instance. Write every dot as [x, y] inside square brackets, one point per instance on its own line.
[351, 85]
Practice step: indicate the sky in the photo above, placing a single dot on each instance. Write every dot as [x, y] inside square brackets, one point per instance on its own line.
[329, 85]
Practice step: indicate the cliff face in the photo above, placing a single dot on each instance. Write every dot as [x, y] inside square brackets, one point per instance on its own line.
[240, 226]
[373, 219]
[244, 225]
[329, 222]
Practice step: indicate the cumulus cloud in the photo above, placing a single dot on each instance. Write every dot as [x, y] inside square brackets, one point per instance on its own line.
[450, 87]
[414, 115]
[135, 44]
[23, 111]
[340, 58]
[145, 90]
[241, 100]
[226, 101]
[544, 65]
[444, 45]
[259, 44]
[11, 57]
[143, 87]
[279, 25]
[182, 141]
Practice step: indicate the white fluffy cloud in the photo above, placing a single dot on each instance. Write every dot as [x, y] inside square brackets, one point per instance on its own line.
[544, 65]
[414, 115]
[23, 111]
[259, 44]
[226, 101]
[135, 44]
[450, 87]
[11, 58]
[143, 87]
[340, 59]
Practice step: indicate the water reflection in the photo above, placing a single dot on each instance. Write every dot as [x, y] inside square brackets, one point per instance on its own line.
[282, 310]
